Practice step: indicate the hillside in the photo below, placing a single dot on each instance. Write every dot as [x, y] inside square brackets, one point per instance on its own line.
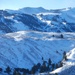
[69, 65]
[26, 48]
[61, 20]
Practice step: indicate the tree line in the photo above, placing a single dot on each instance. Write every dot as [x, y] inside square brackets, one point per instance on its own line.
[46, 66]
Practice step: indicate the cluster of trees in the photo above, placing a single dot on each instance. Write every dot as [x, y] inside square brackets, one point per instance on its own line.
[46, 66]
[61, 36]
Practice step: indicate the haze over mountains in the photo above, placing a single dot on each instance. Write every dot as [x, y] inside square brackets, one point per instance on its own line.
[28, 34]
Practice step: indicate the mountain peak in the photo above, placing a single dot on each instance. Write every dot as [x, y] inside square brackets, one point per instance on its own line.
[32, 10]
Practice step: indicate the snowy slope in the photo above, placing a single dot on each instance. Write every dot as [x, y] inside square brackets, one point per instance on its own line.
[32, 34]
[38, 19]
[62, 21]
[17, 22]
[69, 65]
[26, 48]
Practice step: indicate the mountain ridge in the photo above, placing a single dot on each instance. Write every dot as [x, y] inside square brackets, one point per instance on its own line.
[52, 21]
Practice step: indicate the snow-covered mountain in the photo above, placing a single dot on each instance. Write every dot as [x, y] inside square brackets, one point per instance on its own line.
[29, 10]
[28, 34]
[38, 19]
[26, 48]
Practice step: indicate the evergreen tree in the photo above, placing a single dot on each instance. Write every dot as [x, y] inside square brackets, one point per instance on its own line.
[64, 53]
[61, 64]
[34, 69]
[8, 70]
[57, 66]
[52, 35]
[49, 61]
[1, 69]
[38, 65]
[61, 36]
[42, 58]
[64, 56]
[53, 66]
[48, 68]
[43, 67]
[14, 73]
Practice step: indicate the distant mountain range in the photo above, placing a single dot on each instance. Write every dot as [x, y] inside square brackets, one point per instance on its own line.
[38, 19]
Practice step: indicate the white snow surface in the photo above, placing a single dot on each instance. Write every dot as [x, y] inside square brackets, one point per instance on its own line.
[69, 65]
[26, 48]
[40, 19]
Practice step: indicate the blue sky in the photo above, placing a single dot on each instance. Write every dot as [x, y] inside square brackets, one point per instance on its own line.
[48, 4]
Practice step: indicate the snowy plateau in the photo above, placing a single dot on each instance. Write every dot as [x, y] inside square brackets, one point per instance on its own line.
[28, 34]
